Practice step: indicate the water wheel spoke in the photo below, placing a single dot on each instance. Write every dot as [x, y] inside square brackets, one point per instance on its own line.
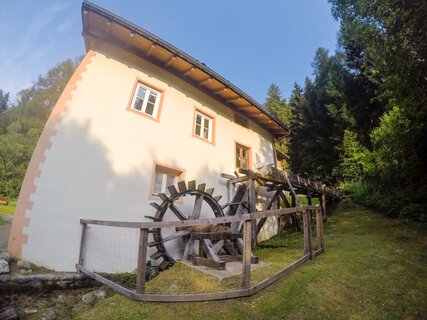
[169, 238]
[177, 212]
[197, 206]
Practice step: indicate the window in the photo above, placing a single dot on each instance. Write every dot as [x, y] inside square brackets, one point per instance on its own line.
[203, 126]
[243, 157]
[146, 100]
[165, 176]
[240, 120]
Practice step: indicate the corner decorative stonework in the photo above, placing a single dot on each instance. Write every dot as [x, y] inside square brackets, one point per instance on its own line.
[17, 236]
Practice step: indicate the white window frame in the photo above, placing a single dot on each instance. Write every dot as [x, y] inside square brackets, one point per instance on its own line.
[165, 171]
[148, 90]
[239, 147]
[163, 188]
[202, 127]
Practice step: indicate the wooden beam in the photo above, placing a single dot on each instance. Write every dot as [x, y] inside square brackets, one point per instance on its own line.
[198, 296]
[227, 176]
[245, 106]
[306, 218]
[323, 205]
[200, 261]
[170, 61]
[252, 208]
[246, 265]
[210, 250]
[224, 89]
[130, 39]
[285, 200]
[173, 236]
[150, 50]
[186, 73]
[197, 207]
[82, 244]
[199, 222]
[233, 100]
[142, 261]
[319, 228]
[85, 20]
[107, 28]
[188, 247]
[203, 82]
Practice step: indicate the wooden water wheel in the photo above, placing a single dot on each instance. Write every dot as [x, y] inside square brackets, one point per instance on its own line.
[169, 209]
[217, 244]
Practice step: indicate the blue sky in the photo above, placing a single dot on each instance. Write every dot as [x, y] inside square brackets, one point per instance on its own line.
[251, 43]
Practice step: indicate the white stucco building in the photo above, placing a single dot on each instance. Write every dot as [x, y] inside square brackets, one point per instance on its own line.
[138, 114]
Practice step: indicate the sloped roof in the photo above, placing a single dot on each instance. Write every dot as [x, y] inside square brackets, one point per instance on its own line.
[102, 25]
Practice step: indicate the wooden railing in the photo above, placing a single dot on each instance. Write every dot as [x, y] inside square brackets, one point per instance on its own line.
[246, 290]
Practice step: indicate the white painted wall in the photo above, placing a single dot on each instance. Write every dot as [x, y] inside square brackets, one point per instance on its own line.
[101, 161]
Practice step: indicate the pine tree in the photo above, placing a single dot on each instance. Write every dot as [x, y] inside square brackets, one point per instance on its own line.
[278, 107]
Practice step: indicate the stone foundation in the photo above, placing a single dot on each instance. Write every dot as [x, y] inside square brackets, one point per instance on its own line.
[44, 282]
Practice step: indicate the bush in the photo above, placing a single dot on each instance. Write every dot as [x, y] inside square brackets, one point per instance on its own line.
[360, 193]
[414, 212]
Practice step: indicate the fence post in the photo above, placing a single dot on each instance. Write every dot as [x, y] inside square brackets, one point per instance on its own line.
[82, 242]
[306, 218]
[323, 205]
[246, 261]
[319, 228]
[142, 261]
[252, 208]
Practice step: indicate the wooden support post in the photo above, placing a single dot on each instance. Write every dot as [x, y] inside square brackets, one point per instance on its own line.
[142, 261]
[306, 217]
[309, 202]
[82, 244]
[323, 205]
[319, 228]
[246, 263]
[252, 208]
[285, 200]
[293, 200]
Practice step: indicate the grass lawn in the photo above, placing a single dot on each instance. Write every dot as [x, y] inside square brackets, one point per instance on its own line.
[373, 268]
[9, 208]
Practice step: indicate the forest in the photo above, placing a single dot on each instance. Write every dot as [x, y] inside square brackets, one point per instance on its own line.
[358, 123]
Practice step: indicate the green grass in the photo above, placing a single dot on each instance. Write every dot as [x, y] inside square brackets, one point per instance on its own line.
[373, 268]
[9, 208]
[2, 222]
[303, 200]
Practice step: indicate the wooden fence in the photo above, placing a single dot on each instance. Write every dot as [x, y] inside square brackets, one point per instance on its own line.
[308, 213]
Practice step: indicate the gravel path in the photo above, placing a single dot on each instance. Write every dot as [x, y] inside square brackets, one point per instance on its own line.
[5, 230]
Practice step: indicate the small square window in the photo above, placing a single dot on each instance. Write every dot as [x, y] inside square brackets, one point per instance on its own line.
[203, 126]
[163, 177]
[243, 157]
[146, 100]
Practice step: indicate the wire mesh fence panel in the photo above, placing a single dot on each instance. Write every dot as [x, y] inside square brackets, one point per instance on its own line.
[112, 252]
